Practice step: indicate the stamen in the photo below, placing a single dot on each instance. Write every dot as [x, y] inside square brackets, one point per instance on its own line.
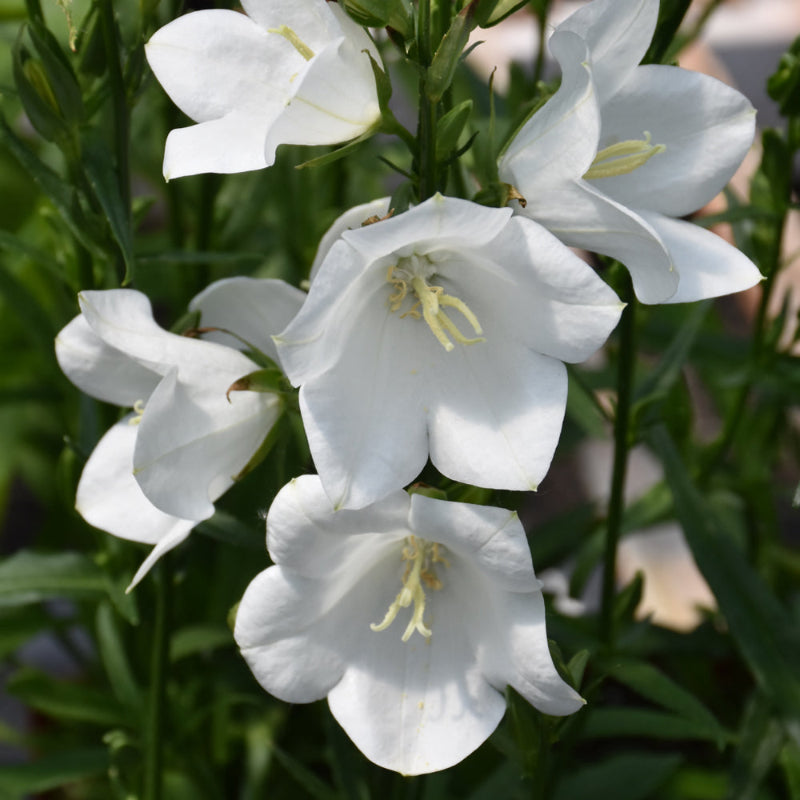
[421, 556]
[294, 40]
[623, 157]
[138, 407]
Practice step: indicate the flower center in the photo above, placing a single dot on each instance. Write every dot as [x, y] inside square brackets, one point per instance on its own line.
[420, 557]
[431, 300]
[623, 157]
[294, 40]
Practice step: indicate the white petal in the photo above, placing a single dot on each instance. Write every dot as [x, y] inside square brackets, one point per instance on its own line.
[100, 370]
[233, 143]
[582, 216]
[306, 534]
[495, 414]
[559, 141]
[214, 62]
[440, 223]
[170, 541]
[192, 442]
[335, 100]
[352, 218]
[252, 308]
[491, 538]
[313, 21]
[364, 416]
[707, 265]
[123, 319]
[109, 498]
[510, 633]
[706, 127]
[527, 286]
[617, 33]
[285, 638]
[416, 706]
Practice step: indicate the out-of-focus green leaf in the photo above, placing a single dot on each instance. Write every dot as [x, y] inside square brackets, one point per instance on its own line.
[310, 781]
[583, 408]
[761, 741]
[66, 701]
[51, 772]
[490, 12]
[790, 763]
[640, 723]
[115, 659]
[63, 196]
[652, 684]
[662, 46]
[764, 634]
[628, 776]
[28, 577]
[784, 85]
[198, 639]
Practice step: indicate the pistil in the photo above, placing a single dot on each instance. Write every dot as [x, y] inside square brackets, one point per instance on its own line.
[432, 299]
[294, 40]
[421, 557]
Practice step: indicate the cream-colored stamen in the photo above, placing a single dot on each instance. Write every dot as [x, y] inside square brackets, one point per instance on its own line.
[138, 407]
[623, 157]
[432, 299]
[421, 556]
[294, 40]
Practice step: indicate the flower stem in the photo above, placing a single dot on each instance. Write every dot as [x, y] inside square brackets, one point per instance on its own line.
[427, 170]
[616, 502]
[154, 721]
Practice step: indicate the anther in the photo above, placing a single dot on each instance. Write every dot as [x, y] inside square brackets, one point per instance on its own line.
[623, 157]
[294, 40]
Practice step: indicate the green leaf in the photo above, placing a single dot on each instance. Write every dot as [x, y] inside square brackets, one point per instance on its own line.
[628, 776]
[784, 85]
[449, 128]
[663, 45]
[101, 172]
[63, 196]
[790, 763]
[66, 701]
[198, 639]
[654, 685]
[609, 723]
[763, 632]
[339, 152]
[115, 659]
[490, 12]
[51, 771]
[448, 55]
[304, 777]
[28, 577]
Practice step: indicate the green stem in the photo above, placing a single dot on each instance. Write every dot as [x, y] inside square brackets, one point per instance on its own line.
[154, 743]
[616, 503]
[538, 67]
[427, 168]
[119, 95]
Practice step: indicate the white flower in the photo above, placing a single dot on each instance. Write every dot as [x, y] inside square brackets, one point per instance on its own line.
[410, 615]
[156, 473]
[621, 151]
[290, 72]
[442, 331]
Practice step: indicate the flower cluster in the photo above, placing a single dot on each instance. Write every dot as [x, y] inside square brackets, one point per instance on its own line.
[438, 333]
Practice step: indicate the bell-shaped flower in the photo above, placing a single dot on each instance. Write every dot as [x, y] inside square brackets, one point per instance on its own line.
[622, 151]
[411, 615]
[156, 473]
[287, 72]
[443, 331]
